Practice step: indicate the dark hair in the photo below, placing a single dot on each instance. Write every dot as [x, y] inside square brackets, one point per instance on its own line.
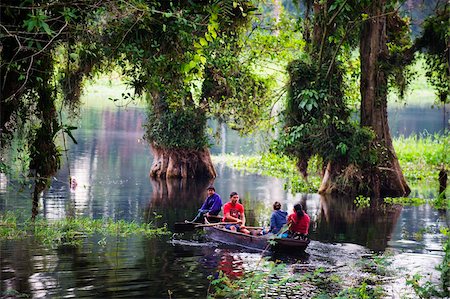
[233, 194]
[276, 205]
[299, 210]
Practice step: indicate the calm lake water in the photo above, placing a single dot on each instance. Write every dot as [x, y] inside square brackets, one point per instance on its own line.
[111, 163]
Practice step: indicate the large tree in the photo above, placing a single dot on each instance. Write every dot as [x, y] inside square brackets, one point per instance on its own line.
[184, 57]
[357, 157]
[382, 26]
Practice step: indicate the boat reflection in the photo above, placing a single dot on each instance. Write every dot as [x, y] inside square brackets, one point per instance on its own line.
[231, 265]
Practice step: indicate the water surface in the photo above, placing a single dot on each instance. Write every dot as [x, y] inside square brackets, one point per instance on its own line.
[111, 163]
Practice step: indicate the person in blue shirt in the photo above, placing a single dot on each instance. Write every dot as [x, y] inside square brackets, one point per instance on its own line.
[211, 206]
[278, 218]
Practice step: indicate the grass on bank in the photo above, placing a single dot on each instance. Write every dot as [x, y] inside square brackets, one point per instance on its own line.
[71, 231]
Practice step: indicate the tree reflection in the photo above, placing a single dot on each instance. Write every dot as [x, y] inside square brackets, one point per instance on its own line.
[340, 220]
[175, 199]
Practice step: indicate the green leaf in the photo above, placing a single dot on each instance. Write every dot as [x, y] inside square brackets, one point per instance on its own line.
[46, 28]
[203, 42]
[74, 56]
[29, 24]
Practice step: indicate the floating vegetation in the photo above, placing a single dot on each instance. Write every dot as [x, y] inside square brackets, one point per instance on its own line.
[362, 201]
[405, 201]
[71, 231]
[276, 280]
[269, 164]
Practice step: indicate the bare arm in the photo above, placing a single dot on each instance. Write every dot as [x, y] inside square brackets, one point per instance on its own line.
[230, 218]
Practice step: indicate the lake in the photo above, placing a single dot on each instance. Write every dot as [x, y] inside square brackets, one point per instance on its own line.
[111, 164]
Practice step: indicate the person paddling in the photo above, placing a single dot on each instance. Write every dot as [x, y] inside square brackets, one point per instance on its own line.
[211, 207]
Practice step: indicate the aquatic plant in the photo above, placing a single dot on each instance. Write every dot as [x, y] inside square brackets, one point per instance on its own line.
[362, 201]
[405, 201]
[71, 231]
[428, 289]
[274, 279]
[279, 166]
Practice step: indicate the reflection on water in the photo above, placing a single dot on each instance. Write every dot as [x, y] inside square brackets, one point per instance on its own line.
[410, 120]
[111, 165]
[341, 221]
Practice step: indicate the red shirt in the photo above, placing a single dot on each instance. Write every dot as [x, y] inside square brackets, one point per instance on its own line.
[299, 225]
[235, 210]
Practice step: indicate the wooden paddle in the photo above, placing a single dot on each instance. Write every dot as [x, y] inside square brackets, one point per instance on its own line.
[217, 223]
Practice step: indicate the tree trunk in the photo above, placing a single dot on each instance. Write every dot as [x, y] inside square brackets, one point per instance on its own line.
[387, 178]
[179, 163]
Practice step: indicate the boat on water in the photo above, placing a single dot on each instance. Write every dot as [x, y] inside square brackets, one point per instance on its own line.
[219, 233]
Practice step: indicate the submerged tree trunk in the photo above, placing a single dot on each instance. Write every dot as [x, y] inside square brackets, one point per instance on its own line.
[180, 163]
[386, 179]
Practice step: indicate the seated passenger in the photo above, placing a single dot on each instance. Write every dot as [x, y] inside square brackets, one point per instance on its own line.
[278, 218]
[298, 223]
[233, 211]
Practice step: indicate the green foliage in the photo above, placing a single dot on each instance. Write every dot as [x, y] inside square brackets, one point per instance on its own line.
[317, 121]
[171, 51]
[405, 201]
[421, 156]
[364, 291]
[423, 290]
[445, 266]
[362, 201]
[37, 21]
[233, 94]
[253, 285]
[399, 67]
[441, 202]
[70, 231]
[434, 41]
[182, 128]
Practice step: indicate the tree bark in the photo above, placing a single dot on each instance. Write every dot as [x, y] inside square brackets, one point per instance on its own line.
[373, 51]
[180, 163]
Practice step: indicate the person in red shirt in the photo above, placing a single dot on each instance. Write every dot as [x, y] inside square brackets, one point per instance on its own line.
[233, 211]
[298, 222]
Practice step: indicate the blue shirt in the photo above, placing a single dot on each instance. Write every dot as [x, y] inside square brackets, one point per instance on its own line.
[277, 221]
[212, 204]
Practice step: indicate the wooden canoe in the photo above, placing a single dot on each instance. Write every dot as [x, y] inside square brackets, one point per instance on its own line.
[265, 242]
